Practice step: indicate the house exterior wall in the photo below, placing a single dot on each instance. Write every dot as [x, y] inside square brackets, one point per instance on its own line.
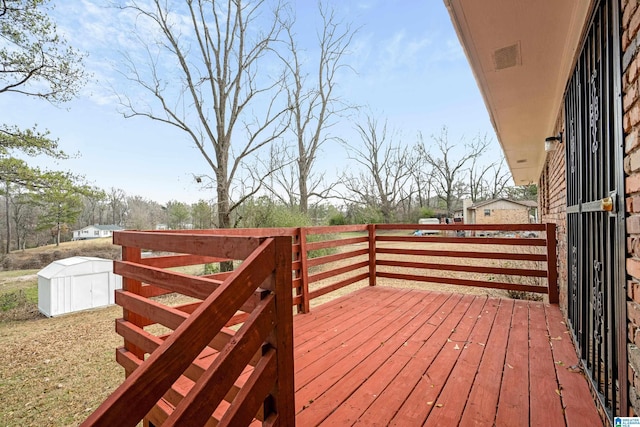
[631, 124]
[502, 216]
[552, 194]
[552, 203]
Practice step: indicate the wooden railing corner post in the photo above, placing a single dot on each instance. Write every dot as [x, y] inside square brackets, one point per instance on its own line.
[372, 254]
[132, 254]
[304, 306]
[552, 263]
[285, 399]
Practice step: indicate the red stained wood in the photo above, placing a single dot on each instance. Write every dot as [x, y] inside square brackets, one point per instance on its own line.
[464, 254]
[572, 384]
[189, 243]
[336, 243]
[344, 368]
[466, 268]
[336, 257]
[514, 394]
[178, 260]
[552, 264]
[463, 282]
[351, 378]
[378, 356]
[459, 226]
[341, 284]
[483, 398]
[213, 385]
[337, 271]
[507, 241]
[448, 346]
[147, 384]
[545, 402]
[455, 392]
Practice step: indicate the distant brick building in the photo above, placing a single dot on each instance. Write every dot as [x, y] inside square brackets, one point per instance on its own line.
[500, 211]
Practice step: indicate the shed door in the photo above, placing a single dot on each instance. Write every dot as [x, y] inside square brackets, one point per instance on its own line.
[595, 210]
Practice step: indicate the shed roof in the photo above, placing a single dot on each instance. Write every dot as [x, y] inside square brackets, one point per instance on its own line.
[76, 266]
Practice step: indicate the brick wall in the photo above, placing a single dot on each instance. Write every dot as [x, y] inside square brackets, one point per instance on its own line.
[630, 45]
[503, 216]
[552, 200]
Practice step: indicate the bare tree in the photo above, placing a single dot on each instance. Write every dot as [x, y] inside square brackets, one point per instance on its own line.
[314, 103]
[117, 200]
[450, 165]
[497, 179]
[387, 169]
[203, 77]
[423, 181]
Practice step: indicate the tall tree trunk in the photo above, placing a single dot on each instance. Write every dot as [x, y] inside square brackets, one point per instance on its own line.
[8, 222]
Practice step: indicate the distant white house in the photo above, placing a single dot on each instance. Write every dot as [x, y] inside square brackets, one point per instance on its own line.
[95, 232]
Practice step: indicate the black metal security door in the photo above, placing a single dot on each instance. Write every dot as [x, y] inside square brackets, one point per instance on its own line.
[595, 210]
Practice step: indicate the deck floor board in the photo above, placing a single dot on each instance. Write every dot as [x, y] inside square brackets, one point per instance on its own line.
[414, 357]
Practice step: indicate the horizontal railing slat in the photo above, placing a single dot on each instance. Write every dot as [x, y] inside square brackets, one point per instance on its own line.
[189, 243]
[464, 254]
[465, 282]
[461, 226]
[312, 246]
[181, 260]
[341, 284]
[337, 271]
[465, 268]
[465, 240]
[335, 257]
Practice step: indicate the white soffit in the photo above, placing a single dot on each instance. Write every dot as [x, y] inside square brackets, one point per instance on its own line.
[521, 53]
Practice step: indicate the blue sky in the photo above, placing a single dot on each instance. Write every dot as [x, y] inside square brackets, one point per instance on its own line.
[409, 68]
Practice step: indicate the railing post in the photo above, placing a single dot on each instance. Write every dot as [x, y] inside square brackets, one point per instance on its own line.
[372, 254]
[285, 389]
[552, 263]
[132, 254]
[304, 306]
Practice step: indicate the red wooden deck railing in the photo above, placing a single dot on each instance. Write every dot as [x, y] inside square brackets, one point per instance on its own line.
[224, 349]
[203, 367]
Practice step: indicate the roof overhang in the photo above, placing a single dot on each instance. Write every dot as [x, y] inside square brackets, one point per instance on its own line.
[521, 53]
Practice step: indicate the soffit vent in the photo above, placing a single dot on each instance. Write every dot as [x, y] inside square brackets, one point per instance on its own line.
[507, 57]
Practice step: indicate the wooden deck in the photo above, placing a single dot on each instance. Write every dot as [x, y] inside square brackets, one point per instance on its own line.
[384, 356]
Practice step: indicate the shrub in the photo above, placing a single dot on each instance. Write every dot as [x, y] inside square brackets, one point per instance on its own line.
[211, 268]
[338, 219]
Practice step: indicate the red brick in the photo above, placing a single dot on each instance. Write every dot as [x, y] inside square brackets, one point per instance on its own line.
[634, 24]
[631, 141]
[633, 312]
[627, 12]
[630, 96]
[624, 39]
[634, 291]
[632, 184]
[632, 71]
[634, 114]
[633, 268]
[634, 161]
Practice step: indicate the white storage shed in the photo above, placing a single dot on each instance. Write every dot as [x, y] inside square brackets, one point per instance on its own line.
[75, 284]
